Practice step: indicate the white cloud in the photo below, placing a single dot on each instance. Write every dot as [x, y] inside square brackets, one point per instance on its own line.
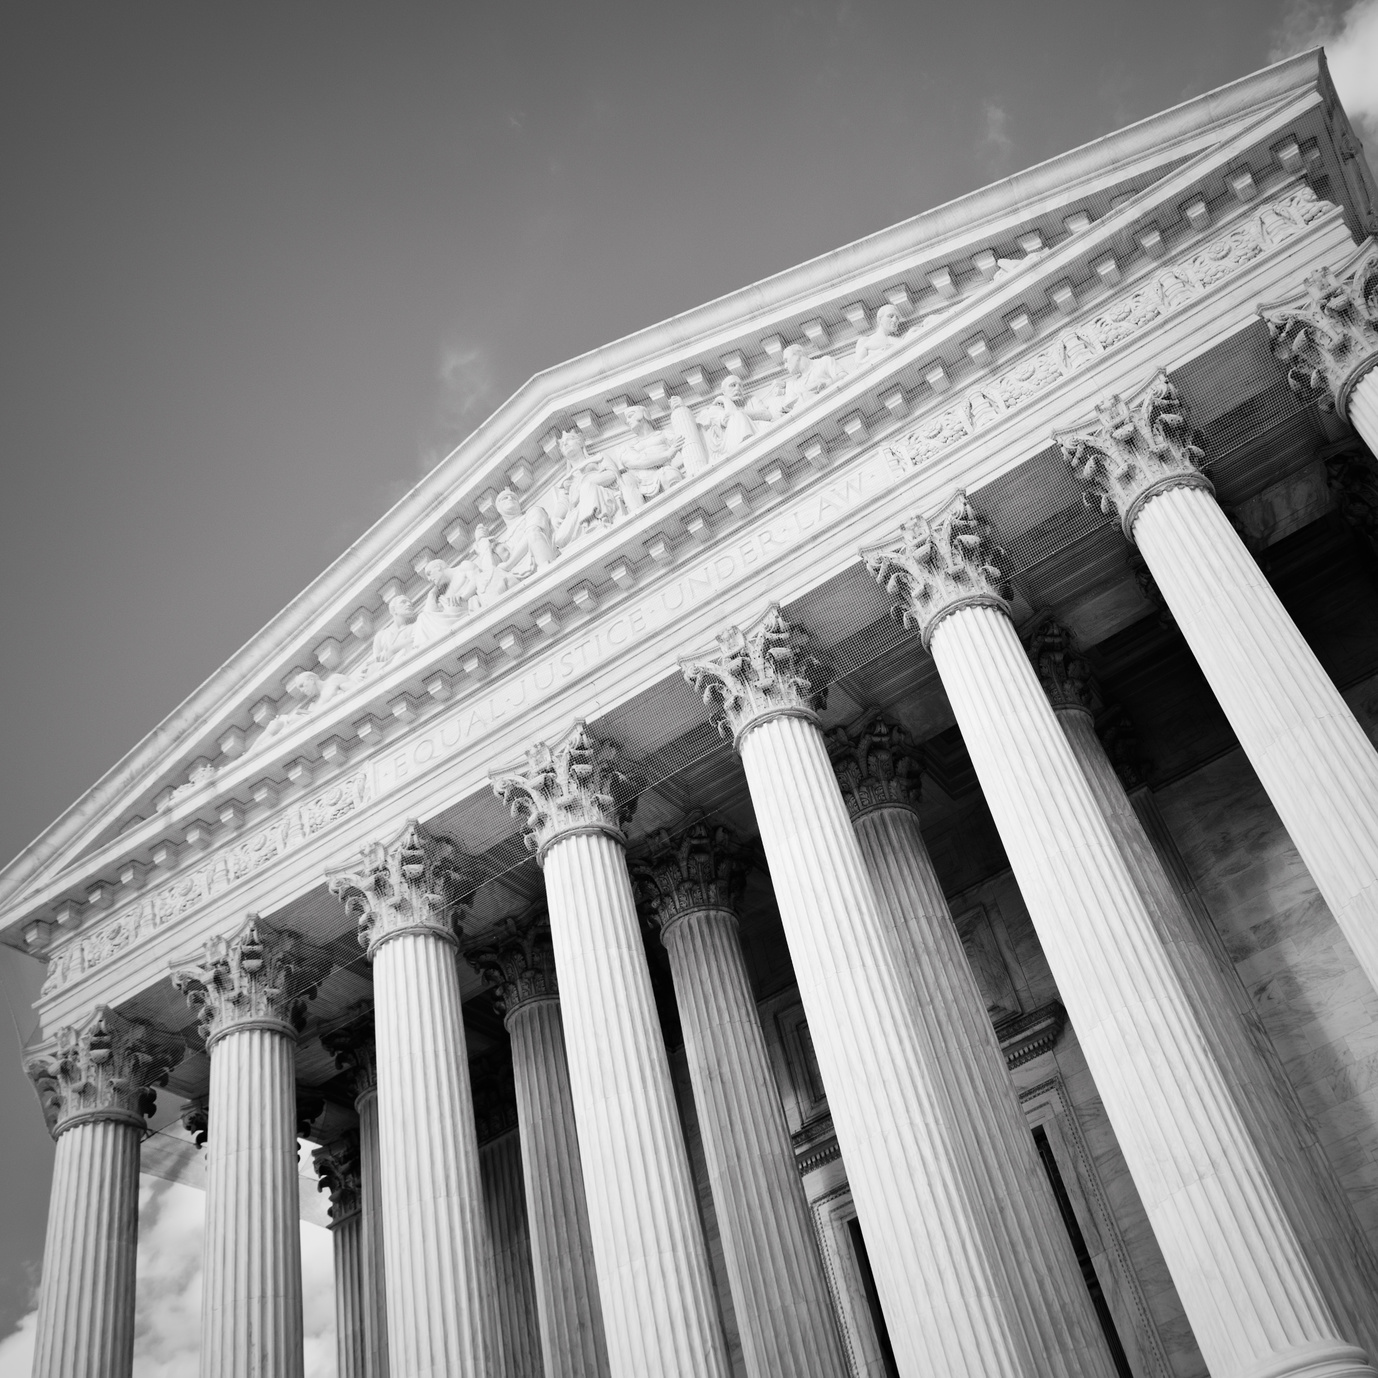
[1350, 39]
[167, 1319]
[997, 144]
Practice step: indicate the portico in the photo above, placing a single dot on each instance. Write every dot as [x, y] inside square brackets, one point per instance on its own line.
[861, 1017]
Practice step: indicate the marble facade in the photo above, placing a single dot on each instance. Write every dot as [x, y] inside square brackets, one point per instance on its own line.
[835, 836]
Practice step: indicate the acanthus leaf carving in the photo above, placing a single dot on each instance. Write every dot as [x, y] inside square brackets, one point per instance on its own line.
[518, 959]
[1327, 333]
[418, 883]
[352, 1046]
[878, 765]
[574, 786]
[108, 1067]
[1134, 449]
[259, 975]
[339, 1170]
[763, 671]
[1061, 669]
[939, 565]
[703, 866]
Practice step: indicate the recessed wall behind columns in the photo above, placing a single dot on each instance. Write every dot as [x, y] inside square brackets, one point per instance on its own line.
[1316, 1004]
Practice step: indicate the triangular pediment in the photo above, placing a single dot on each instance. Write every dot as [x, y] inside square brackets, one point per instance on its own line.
[598, 470]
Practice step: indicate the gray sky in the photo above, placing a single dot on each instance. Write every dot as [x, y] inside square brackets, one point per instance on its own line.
[266, 263]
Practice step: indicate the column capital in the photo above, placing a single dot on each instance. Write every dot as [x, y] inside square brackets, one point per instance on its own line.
[939, 565]
[761, 673]
[1351, 472]
[1120, 739]
[1133, 449]
[257, 977]
[703, 867]
[878, 765]
[417, 883]
[1327, 332]
[339, 1171]
[106, 1068]
[517, 957]
[196, 1120]
[1062, 671]
[352, 1047]
[572, 787]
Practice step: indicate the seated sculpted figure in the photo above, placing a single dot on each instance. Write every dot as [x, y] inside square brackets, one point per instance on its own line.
[402, 635]
[307, 692]
[492, 576]
[650, 459]
[880, 341]
[449, 598]
[805, 377]
[529, 536]
[733, 418]
[588, 497]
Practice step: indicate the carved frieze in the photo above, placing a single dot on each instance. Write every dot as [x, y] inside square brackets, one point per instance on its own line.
[878, 765]
[703, 866]
[574, 786]
[1134, 449]
[105, 1068]
[161, 905]
[758, 673]
[417, 883]
[939, 565]
[259, 976]
[1327, 333]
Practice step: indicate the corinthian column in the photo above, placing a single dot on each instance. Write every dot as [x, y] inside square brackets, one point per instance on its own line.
[251, 989]
[1255, 1302]
[353, 1049]
[659, 1312]
[337, 1166]
[1327, 334]
[691, 885]
[1315, 761]
[879, 770]
[520, 960]
[96, 1084]
[407, 896]
[954, 1299]
[1305, 1183]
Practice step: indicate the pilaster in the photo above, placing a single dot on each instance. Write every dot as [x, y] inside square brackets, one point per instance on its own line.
[658, 1305]
[96, 1082]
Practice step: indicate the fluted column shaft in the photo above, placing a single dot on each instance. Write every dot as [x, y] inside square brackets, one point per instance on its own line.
[1254, 1301]
[504, 1201]
[86, 1307]
[372, 1271]
[659, 1311]
[251, 1325]
[351, 1344]
[995, 1135]
[1362, 411]
[1315, 761]
[1312, 1198]
[953, 1301]
[779, 1293]
[433, 1233]
[571, 1319]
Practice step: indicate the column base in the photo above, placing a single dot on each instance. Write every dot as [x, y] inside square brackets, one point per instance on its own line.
[1317, 1360]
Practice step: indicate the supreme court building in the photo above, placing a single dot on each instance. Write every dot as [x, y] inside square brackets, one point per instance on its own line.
[836, 835]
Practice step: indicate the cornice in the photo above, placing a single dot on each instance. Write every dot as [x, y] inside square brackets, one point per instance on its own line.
[914, 246]
[354, 776]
